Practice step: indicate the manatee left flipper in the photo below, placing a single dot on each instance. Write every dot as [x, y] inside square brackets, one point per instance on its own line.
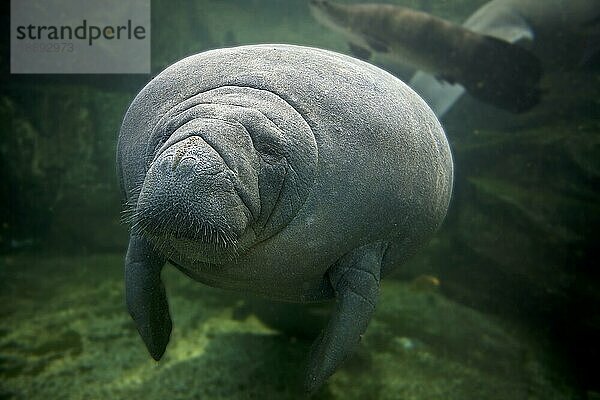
[145, 295]
[355, 279]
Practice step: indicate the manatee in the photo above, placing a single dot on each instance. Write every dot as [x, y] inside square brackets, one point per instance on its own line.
[295, 173]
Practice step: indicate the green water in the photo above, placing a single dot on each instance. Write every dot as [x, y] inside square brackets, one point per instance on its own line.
[515, 314]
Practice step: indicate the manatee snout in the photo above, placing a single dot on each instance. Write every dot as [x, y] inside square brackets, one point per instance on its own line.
[189, 203]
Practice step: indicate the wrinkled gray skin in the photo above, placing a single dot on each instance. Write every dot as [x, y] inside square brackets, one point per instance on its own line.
[292, 172]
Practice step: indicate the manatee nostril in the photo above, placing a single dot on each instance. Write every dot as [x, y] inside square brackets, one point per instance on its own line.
[177, 157]
[184, 149]
[177, 160]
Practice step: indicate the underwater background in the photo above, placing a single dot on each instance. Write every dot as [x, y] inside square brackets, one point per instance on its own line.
[503, 303]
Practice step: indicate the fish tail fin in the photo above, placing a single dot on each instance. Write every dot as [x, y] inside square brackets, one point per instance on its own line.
[504, 74]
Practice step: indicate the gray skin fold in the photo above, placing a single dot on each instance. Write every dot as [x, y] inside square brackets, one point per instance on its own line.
[294, 173]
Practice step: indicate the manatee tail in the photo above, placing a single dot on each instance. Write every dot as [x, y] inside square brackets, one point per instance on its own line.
[503, 74]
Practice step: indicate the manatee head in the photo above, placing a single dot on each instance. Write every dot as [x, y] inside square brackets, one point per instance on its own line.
[189, 201]
[222, 177]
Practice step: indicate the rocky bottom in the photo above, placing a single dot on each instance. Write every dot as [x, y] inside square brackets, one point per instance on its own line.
[65, 334]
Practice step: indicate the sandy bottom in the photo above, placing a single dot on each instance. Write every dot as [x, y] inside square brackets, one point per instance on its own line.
[65, 334]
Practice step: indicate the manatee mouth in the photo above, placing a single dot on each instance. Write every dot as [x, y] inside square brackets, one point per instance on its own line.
[189, 206]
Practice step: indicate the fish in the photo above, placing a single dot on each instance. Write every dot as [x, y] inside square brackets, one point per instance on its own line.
[493, 70]
[563, 34]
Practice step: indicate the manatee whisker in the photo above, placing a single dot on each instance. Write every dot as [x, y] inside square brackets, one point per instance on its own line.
[128, 213]
[171, 223]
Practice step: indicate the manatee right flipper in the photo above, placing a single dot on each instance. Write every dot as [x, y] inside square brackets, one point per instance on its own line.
[355, 279]
[145, 295]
